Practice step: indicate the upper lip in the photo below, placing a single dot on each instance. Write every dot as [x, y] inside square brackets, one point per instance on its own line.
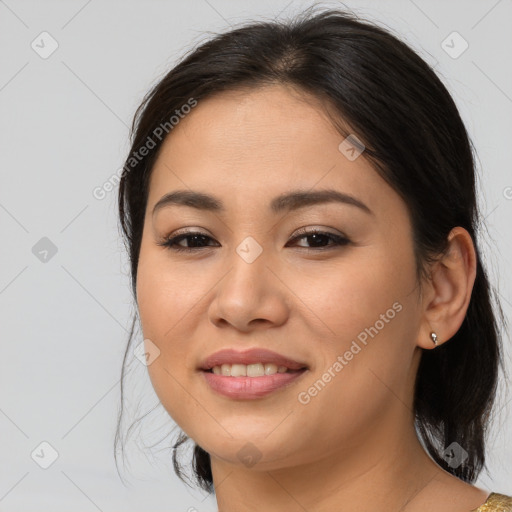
[251, 356]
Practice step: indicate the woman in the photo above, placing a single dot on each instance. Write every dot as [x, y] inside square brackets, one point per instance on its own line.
[300, 214]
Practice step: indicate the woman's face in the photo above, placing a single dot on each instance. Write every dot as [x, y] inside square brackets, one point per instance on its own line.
[347, 311]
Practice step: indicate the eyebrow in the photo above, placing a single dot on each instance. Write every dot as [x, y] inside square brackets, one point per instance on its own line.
[285, 202]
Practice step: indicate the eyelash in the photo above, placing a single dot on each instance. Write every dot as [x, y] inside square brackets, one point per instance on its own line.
[170, 243]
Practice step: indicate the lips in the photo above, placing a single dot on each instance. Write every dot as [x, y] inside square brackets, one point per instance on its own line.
[251, 356]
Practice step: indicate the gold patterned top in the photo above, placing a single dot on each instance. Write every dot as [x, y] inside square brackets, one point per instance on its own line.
[496, 503]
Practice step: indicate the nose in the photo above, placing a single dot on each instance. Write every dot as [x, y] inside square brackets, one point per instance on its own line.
[249, 296]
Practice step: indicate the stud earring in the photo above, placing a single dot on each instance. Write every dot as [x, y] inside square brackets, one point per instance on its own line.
[433, 335]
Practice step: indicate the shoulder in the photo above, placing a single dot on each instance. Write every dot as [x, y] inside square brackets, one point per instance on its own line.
[496, 502]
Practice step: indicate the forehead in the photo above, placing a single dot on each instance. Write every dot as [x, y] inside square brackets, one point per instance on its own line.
[245, 144]
[256, 122]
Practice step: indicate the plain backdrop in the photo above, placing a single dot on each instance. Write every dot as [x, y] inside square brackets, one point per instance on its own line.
[65, 301]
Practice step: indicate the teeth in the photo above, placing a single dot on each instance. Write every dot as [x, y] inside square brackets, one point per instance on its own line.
[249, 370]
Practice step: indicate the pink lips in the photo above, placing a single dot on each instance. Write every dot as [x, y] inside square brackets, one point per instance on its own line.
[248, 388]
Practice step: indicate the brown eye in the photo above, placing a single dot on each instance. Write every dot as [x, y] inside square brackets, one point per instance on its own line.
[195, 240]
[319, 239]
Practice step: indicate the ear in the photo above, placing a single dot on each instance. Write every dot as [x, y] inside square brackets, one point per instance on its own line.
[448, 292]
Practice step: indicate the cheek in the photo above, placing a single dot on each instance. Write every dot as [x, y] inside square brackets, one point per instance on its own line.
[165, 294]
[165, 302]
[365, 313]
[345, 295]
[163, 312]
[167, 308]
[366, 363]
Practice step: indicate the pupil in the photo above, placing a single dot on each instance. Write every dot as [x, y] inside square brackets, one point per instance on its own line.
[195, 240]
[317, 239]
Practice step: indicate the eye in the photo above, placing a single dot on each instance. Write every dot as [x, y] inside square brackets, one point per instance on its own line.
[197, 240]
[196, 237]
[318, 237]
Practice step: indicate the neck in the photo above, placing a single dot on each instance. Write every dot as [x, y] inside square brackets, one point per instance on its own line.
[381, 470]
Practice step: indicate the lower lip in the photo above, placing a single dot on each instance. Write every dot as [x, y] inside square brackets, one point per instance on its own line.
[250, 388]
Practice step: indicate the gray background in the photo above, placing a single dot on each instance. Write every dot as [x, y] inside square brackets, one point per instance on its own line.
[64, 131]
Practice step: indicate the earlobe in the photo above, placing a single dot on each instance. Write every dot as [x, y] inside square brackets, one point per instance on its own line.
[451, 285]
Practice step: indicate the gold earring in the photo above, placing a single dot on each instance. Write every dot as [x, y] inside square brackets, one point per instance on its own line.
[433, 335]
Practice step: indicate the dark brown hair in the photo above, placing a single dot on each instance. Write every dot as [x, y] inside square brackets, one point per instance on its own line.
[417, 142]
